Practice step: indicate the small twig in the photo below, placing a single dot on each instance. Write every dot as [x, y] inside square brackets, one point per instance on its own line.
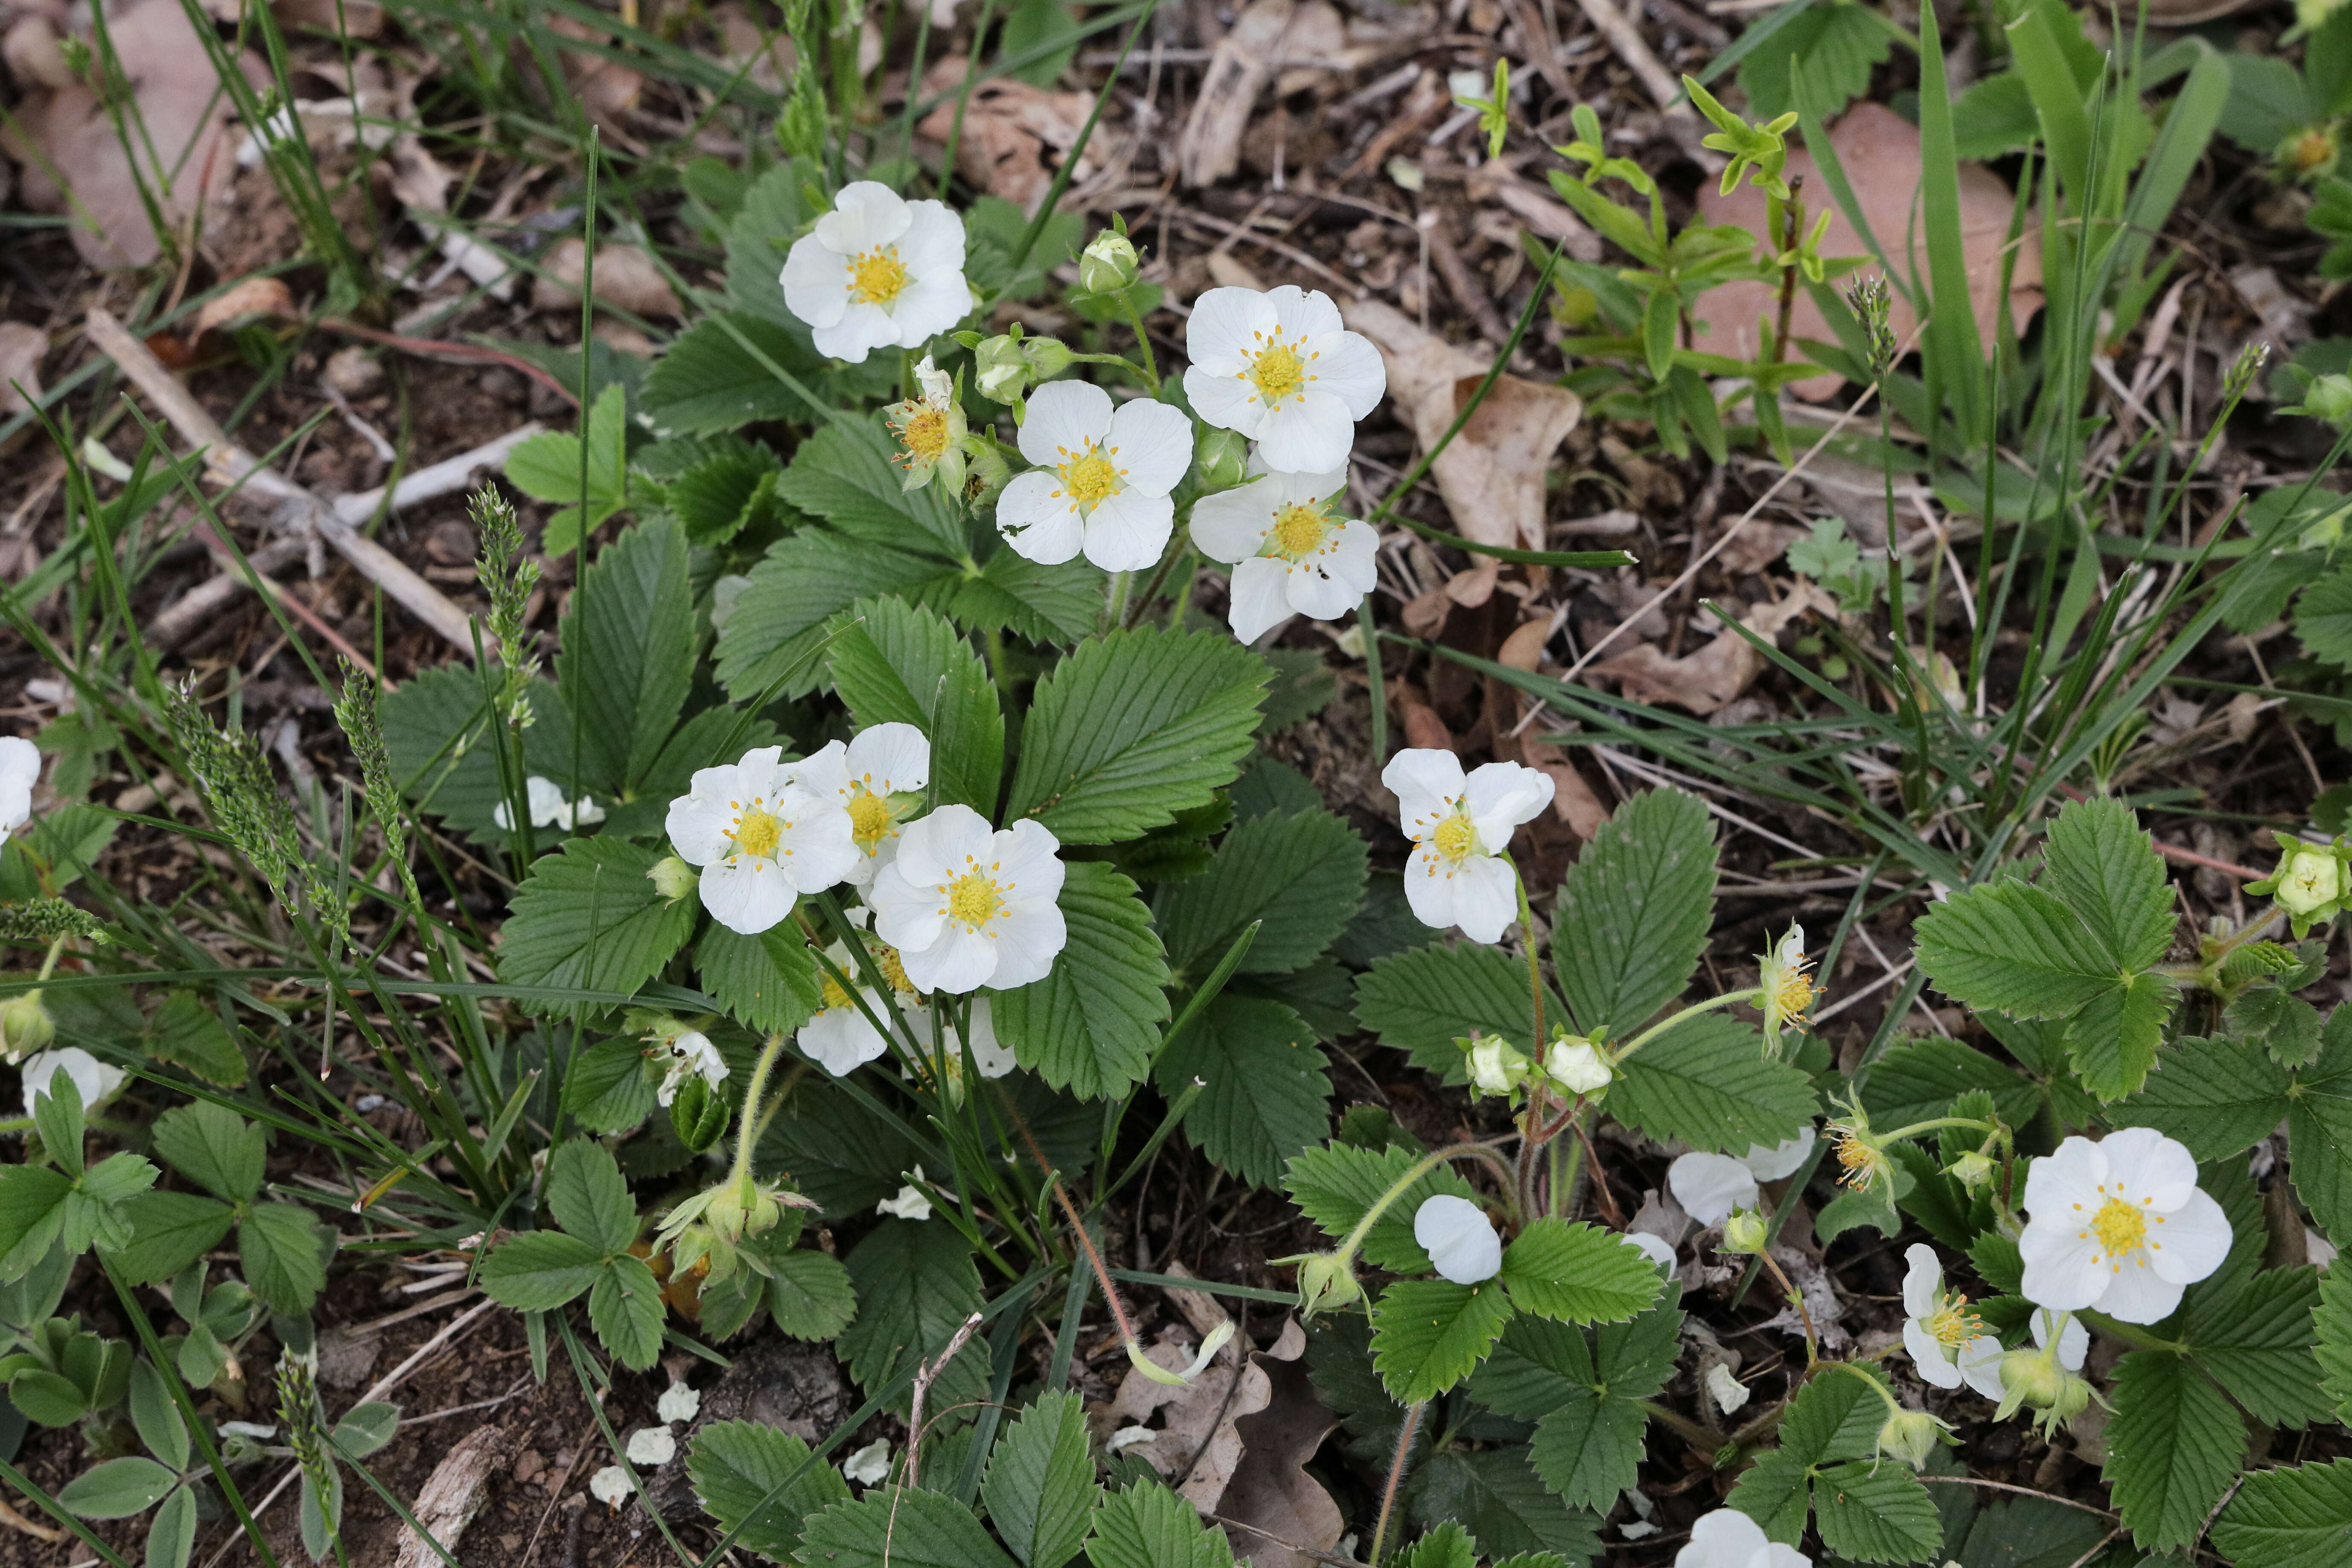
[924, 1376]
[2190, 858]
[14, 1520]
[1634, 50]
[2021, 1492]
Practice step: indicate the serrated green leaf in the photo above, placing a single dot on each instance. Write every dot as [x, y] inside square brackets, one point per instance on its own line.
[2332, 1335]
[170, 1231]
[896, 662]
[546, 467]
[607, 1089]
[1919, 1079]
[116, 1488]
[2319, 1128]
[1147, 1526]
[770, 982]
[1835, 1419]
[1040, 1487]
[187, 1032]
[1056, 604]
[1776, 1492]
[1496, 1493]
[2323, 619]
[628, 655]
[2019, 1532]
[1447, 1546]
[2213, 1094]
[1836, 45]
[588, 916]
[1303, 875]
[1589, 1448]
[2172, 1448]
[1707, 1082]
[1537, 1365]
[2298, 1516]
[730, 489]
[843, 1156]
[214, 1147]
[809, 577]
[2105, 866]
[709, 381]
[892, 1527]
[843, 473]
[1875, 1513]
[810, 1296]
[540, 1270]
[1577, 1272]
[916, 1284]
[588, 1197]
[2012, 948]
[2284, 1027]
[435, 739]
[2113, 1041]
[1131, 728]
[1337, 1185]
[1428, 1334]
[2255, 1341]
[734, 1465]
[1633, 911]
[1420, 1001]
[1267, 1095]
[278, 1246]
[625, 1308]
[1090, 1027]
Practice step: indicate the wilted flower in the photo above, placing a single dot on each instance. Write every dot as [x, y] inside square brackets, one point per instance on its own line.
[1218, 1338]
[910, 1201]
[1327, 1280]
[691, 1055]
[1787, 993]
[1909, 1435]
[930, 430]
[1863, 1161]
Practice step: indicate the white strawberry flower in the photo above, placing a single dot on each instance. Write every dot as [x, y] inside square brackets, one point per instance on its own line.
[930, 429]
[1710, 1187]
[94, 1081]
[1101, 479]
[1290, 552]
[877, 271]
[691, 1055]
[1282, 369]
[1729, 1539]
[2120, 1225]
[1980, 1358]
[1942, 1335]
[550, 808]
[878, 779]
[20, 769]
[967, 905]
[761, 838]
[840, 1037]
[1459, 1238]
[1460, 826]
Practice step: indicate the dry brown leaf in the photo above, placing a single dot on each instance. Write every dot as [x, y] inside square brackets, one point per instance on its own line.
[1426, 611]
[1230, 271]
[740, 40]
[1210, 146]
[1273, 1504]
[186, 120]
[335, 18]
[22, 345]
[1705, 680]
[1758, 545]
[1523, 649]
[1015, 135]
[1473, 587]
[1492, 476]
[1424, 729]
[1572, 800]
[1198, 1446]
[35, 54]
[626, 278]
[605, 87]
[1880, 151]
[247, 296]
[460, 1484]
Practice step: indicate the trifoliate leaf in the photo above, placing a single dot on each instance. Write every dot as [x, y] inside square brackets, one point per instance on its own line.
[628, 655]
[1420, 1001]
[1267, 1095]
[1147, 1526]
[2173, 1448]
[2213, 1094]
[1090, 1027]
[2298, 1516]
[1044, 604]
[897, 663]
[1776, 1491]
[1447, 1546]
[1336, 1187]
[2284, 1027]
[588, 1197]
[588, 918]
[731, 488]
[736, 1464]
[779, 619]
[1133, 728]
[891, 1527]
[540, 1270]
[2013, 948]
[2255, 1339]
[1429, 1334]
[916, 1284]
[1577, 1272]
[1707, 1082]
[546, 467]
[1303, 875]
[1041, 1489]
[169, 1231]
[1633, 911]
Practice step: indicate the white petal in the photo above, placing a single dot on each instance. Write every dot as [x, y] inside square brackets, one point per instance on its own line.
[1260, 598]
[94, 1079]
[1923, 1281]
[2137, 1293]
[1723, 1539]
[962, 960]
[905, 915]
[1128, 531]
[1065, 418]
[2069, 1176]
[610, 1486]
[1153, 445]
[1927, 1354]
[1349, 368]
[2074, 1341]
[1223, 328]
[1709, 1186]
[1430, 887]
[1656, 1248]
[698, 820]
[1426, 782]
[862, 328]
[815, 282]
[1232, 525]
[679, 1402]
[2064, 1269]
[652, 1445]
[939, 848]
[815, 849]
[890, 759]
[1027, 858]
[747, 894]
[1037, 521]
[1303, 490]
[762, 770]
[1502, 795]
[2148, 1168]
[842, 1039]
[993, 1059]
[2189, 1243]
[1225, 399]
[1314, 593]
[929, 306]
[933, 242]
[1979, 1360]
[1309, 433]
[1459, 1238]
[1028, 940]
[1781, 1158]
[1303, 312]
[866, 214]
[1780, 1554]
[824, 772]
[1485, 897]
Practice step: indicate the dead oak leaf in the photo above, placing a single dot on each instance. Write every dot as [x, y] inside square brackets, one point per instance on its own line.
[1275, 1514]
[1015, 135]
[1710, 677]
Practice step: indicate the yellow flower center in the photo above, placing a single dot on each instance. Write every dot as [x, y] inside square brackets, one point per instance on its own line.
[972, 900]
[1951, 1324]
[835, 996]
[1859, 1159]
[1277, 373]
[886, 959]
[925, 435]
[1456, 837]
[870, 819]
[757, 831]
[1792, 994]
[1091, 479]
[877, 276]
[1298, 532]
[2120, 1225]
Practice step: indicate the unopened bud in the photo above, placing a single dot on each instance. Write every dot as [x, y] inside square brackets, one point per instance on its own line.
[1578, 1067]
[1327, 1281]
[2031, 1377]
[673, 879]
[697, 1115]
[1972, 1170]
[24, 1026]
[1744, 1230]
[1220, 459]
[1909, 1435]
[1046, 357]
[1108, 264]
[999, 370]
[1496, 1067]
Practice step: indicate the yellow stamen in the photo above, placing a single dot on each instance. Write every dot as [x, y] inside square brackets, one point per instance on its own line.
[1456, 837]
[1090, 480]
[1277, 373]
[1952, 1323]
[877, 276]
[835, 996]
[2121, 1226]
[894, 969]
[1298, 532]
[870, 819]
[972, 900]
[757, 833]
[925, 435]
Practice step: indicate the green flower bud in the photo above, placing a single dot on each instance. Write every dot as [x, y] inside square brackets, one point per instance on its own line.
[1578, 1067]
[2309, 877]
[673, 879]
[1972, 1170]
[1909, 1435]
[1108, 264]
[1046, 357]
[1220, 460]
[24, 1026]
[1744, 1231]
[2031, 1377]
[1327, 1281]
[699, 1115]
[1000, 370]
[1496, 1067]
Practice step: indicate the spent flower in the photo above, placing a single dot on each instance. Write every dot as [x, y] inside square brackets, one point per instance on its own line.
[1459, 1238]
[930, 430]
[2311, 883]
[1789, 992]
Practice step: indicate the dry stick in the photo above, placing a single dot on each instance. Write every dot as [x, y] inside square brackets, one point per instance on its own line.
[924, 1376]
[1634, 50]
[200, 603]
[295, 504]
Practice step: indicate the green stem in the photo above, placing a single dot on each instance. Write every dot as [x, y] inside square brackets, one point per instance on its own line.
[1396, 1475]
[1414, 1172]
[2131, 1334]
[1142, 341]
[748, 1135]
[1654, 1030]
[49, 964]
[1988, 1128]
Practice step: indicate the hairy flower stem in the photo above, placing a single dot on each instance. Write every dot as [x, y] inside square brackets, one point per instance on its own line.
[1143, 341]
[1078, 1229]
[747, 1136]
[1413, 1172]
[1396, 1477]
[1796, 1300]
[1654, 1030]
